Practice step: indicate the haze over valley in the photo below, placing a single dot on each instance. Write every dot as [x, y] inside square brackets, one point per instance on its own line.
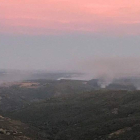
[69, 70]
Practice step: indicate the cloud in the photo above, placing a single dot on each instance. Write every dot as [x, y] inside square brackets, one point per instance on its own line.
[68, 16]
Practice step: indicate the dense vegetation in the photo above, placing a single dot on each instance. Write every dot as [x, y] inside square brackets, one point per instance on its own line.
[15, 97]
[94, 115]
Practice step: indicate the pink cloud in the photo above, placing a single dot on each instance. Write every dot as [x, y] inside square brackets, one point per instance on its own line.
[53, 16]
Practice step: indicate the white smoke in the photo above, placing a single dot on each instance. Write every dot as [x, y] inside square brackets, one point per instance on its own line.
[110, 68]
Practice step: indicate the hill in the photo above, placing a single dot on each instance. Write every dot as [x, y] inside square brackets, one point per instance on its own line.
[15, 130]
[17, 95]
[95, 115]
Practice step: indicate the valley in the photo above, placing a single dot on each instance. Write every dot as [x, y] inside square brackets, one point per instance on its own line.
[71, 110]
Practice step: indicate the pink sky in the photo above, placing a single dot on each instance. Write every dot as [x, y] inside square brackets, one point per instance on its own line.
[66, 16]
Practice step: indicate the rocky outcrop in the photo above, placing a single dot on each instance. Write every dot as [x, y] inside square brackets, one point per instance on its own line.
[15, 130]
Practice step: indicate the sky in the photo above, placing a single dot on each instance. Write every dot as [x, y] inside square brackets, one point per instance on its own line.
[68, 16]
[69, 34]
